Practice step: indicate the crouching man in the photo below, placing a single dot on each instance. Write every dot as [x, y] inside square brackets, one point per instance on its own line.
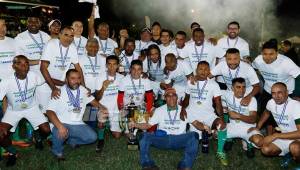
[171, 134]
[66, 113]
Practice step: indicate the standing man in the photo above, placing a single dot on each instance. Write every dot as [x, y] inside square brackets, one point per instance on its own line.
[66, 113]
[79, 40]
[233, 40]
[31, 42]
[286, 114]
[142, 45]
[57, 58]
[166, 47]
[20, 92]
[180, 47]
[172, 134]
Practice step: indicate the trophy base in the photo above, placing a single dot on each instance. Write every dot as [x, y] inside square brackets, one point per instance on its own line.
[133, 146]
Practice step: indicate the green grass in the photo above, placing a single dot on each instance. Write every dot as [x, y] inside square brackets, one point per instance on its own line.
[115, 156]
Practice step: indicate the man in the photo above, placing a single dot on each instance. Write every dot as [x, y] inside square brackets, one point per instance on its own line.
[172, 134]
[180, 47]
[232, 68]
[275, 67]
[142, 45]
[233, 40]
[66, 113]
[242, 118]
[286, 114]
[79, 40]
[7, 52]
[156, 31]
[198, 101]
[57, 58]
[92, 64]
[200, 50]
[127, 56]
[20, 91]
[107, 45]
[31, 42]
[193, 26]
[166, 47]
[289, 51]
[107, 92]
[54, 28]
[135, 88]
[177, 73]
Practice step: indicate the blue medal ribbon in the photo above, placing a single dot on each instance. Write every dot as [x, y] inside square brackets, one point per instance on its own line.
[63, 57]
[93, 66]
[282, 112]
[200, 91]
[78, 46]
[35, 41]
[236, 73]
[103, 48]
[201, 53]
[134, 87]
[236, 41]
[234, 105]
[172, 121]
[75, 101]
[22, 92]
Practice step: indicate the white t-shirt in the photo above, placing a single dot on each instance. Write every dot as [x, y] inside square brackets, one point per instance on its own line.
[179, 74]
[141, 45]
[283, 69]
[107, 46]
[125, 60]
[80, 43]
[52, 54]
[164, 50]
[205, 52]
[234, 104]
[110, 95]
[64, 108]
[238, 43]
[9, 88]
[92, 68]
[285, 120]
[136, 89]
[182, 52]
[155, 72]
[31, 47]
[210, 91]
[244, 70]
[169, 122]
[7, 54]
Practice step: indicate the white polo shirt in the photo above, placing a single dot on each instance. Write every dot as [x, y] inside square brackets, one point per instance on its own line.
[7, 54]
[80, 43]
[238, 43]
[107, 46]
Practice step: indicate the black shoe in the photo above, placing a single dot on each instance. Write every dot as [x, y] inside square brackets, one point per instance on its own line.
[151, 168]
[228, 146]
[39, 145]
[11, 161]
[250, 153]
[100, 145]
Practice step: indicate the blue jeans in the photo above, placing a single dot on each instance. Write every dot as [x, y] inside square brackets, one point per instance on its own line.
[189, 142]
[77, 135]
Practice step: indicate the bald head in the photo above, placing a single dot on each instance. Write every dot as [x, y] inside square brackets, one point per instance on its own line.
[279, 92]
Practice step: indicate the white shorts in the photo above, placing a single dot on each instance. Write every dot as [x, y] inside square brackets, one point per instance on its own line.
[33, 115]
[235, 130]
[283, 145]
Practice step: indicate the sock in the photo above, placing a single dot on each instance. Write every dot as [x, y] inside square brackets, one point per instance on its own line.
[11, 149]
[226, 117]
[101, 134]
[222, 135]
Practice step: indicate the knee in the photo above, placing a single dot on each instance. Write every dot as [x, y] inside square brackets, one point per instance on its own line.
[91, 137]
[266, 150]
[295, 149]
[45, 128]
[257, 140]
[220, 123]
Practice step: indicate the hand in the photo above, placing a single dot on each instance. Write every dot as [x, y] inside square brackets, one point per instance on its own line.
[106, 83]
[192, 79]
[63, 132]
[89, 93]
[131, 125]
[252, 129]
[55, 94]
[206, 128]
[246, 100]
[124, 33]
[296, 98]
[213, 41]
[234, 115]
[103, 114]
[269, 139]
[183, 114]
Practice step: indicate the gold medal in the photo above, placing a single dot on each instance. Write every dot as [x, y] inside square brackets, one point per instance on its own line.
[199, 102]
[278, 129]
[237, 121]
[24, 105]
[76, 110]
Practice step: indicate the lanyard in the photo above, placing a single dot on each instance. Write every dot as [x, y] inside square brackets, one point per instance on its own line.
[92, 65]
[236, 41]
[35, 41]
[75, 101]
[201, 53]
[172, 121]
[63, 57]
[140, 45]
[105, 48]
[134, 87]
[22, 92]
[236, 73]
[78, 46]
[200, 91]
[234, 105]
[282, 112]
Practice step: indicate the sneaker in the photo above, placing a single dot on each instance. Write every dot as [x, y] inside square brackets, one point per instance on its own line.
[100, 145]
[39, 145]
[286, 160]
[250, 153]
[11, 160]
[222, 157]
[228, 146]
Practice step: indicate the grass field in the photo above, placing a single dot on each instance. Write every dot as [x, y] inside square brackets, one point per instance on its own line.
[115, 156]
